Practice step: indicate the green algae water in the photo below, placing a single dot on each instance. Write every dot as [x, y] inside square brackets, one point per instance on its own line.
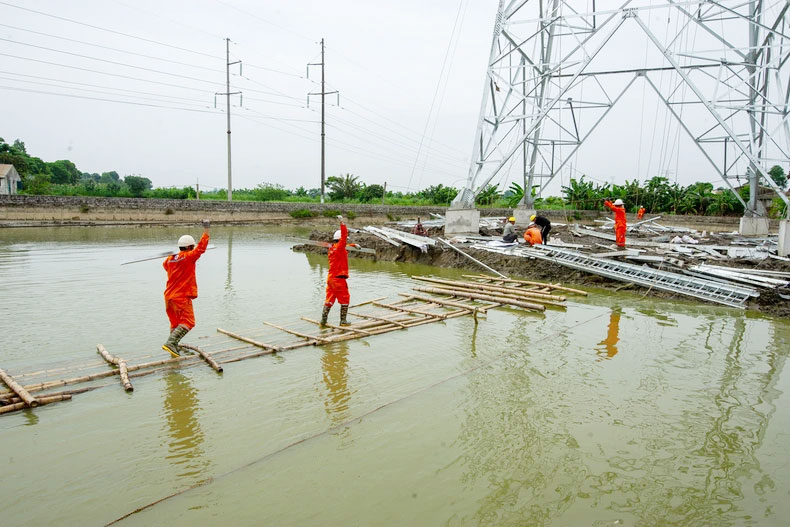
[619, 410]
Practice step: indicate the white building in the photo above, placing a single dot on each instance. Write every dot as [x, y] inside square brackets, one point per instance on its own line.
[9, 179]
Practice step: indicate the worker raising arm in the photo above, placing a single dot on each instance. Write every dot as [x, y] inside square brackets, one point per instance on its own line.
[619, 220]
[182, 287]
[336, 286]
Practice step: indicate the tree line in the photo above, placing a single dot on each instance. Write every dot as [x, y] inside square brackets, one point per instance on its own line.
[657, 194]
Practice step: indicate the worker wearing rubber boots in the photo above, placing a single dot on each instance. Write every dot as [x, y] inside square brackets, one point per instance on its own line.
[619, 220]
[336, 286]
[509, 232]
[532, 235]
[182, 288]
[544, 224]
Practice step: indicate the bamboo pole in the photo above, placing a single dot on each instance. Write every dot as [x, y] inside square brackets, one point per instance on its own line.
[368, 302]
[478, 296]
[339, 328]
[513, 296]
[16, 388]
[449, 303]
[380, 319]
[123, 370]
[527, 282]
[407, 310]
[249, 341]
[43, 400]
[15, 399]
[493, 288]
[206, 357]
[303, 335]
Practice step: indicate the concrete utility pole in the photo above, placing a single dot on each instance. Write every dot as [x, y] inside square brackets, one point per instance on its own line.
[227, 94]
[323, 93]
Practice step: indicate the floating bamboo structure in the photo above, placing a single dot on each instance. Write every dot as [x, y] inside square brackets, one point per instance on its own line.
[447, 299]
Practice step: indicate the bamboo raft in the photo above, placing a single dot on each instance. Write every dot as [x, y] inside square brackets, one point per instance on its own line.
[442, 300]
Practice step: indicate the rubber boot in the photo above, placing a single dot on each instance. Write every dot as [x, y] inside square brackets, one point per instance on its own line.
[171, 346]
[325, 314]
[343, 313]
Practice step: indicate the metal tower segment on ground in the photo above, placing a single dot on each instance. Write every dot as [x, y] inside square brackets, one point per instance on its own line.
[556, 70]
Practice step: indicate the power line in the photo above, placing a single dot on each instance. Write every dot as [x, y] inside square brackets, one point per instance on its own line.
[110, 30]
[107, 100]
[108, 61]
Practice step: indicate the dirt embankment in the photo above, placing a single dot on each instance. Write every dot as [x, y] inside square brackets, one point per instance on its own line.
[769, 301]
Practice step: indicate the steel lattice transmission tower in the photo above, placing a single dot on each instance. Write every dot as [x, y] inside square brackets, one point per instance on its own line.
[558, 67]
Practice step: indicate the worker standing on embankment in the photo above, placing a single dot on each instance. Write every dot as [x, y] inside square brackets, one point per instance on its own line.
[182, 287]
[336, 286]
[619, 220]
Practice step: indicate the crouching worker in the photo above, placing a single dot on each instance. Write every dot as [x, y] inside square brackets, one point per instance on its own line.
[182, 288]
[532, 235]
[509, 232]
[336, 286]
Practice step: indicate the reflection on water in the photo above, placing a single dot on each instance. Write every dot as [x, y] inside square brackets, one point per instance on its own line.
[229, 279]
[612, 335]
[677, 447]
[334, 365]
[185, 438]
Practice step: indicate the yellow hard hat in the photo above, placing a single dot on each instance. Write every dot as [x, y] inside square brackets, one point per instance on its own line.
[512, 218]
[532, 218]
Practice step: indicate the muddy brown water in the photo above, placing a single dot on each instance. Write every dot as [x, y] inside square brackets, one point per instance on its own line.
[619, 410]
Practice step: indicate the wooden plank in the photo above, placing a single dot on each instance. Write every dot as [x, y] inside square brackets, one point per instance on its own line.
[340, 328]
[407, 310]
[298, 334]
[17, 389]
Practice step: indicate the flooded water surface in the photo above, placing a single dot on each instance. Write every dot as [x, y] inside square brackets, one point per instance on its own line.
[619, 410]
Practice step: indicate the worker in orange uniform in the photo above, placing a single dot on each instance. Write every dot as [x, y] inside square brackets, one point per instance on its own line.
[640, 213]
[182, 287]
[336, 286]
[619, 220]
[532, 235]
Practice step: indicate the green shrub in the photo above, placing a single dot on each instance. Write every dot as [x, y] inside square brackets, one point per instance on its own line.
[303, 213]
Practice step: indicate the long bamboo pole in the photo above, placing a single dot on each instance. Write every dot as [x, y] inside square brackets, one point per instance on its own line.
[407, 310]
[493, 288]
[206, 357]
[41, 401]
[16, 388]
[380, 319]
[298, 334]
[339, 328]
[478, 296]
[448, 303]
[513, 296]
[248, 340]
[527, 282]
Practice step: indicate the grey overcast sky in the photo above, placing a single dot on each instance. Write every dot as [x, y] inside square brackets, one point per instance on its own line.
[402, 68]
[128, 85]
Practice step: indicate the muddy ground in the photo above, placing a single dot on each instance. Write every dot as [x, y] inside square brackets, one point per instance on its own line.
[769, 302]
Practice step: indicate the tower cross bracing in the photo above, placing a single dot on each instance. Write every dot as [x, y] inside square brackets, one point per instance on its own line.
[558, 67]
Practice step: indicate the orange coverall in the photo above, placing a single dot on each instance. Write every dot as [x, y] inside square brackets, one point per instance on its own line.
[640, 213]
[181, 285]
[336, 286]
[532, 236]
[619, 223]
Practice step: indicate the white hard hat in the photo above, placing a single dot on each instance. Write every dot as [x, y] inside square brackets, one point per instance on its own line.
[186, 240]
[618, 202]
[336, 236]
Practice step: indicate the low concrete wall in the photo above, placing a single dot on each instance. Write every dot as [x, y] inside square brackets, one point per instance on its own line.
[23, 209]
